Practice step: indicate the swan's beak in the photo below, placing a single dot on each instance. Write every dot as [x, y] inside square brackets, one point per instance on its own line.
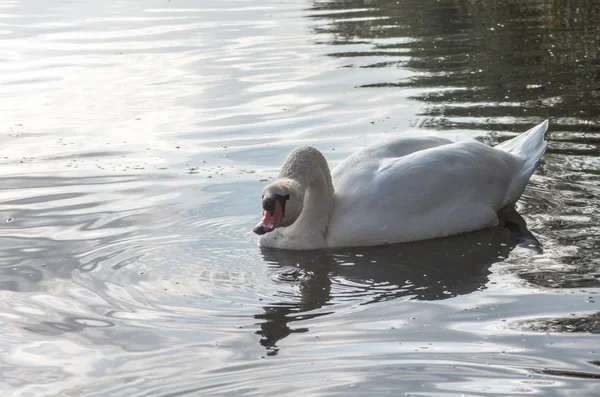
[261, 229]
[270, 220]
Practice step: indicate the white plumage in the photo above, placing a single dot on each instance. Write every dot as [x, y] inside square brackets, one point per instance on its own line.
[406, 189]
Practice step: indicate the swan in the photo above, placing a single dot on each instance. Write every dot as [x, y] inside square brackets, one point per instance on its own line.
[402, 190]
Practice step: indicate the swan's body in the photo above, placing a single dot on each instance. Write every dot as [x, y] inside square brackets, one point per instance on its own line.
[402, 190]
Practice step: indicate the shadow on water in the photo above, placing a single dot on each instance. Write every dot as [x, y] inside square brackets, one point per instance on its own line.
[426, 270]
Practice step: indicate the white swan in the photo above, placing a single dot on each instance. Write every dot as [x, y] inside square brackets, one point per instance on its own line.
[402, 190]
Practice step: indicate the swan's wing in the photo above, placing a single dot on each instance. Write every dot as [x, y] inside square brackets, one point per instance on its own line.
[392, 149]
[430, 193]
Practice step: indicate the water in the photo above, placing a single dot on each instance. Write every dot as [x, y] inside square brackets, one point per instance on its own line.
[137, 136]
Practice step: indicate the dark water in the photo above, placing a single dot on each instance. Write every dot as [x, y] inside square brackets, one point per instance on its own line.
[137, 136]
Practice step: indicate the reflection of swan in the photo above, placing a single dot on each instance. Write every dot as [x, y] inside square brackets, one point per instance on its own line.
[424, 270]
[407, 189]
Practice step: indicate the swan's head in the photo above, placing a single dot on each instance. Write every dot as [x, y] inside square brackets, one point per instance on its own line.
[281, 205]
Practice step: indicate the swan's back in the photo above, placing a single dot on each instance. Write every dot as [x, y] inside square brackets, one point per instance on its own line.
[420, 188]
[359, 166]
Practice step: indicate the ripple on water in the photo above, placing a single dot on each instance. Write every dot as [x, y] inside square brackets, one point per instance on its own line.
[138, 138]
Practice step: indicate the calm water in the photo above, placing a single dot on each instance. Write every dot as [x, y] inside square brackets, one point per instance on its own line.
[137, 136]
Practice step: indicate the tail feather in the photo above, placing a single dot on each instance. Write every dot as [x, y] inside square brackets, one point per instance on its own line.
[530, 147]
[526, 142]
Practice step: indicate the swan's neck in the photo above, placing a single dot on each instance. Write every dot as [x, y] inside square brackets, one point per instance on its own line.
[308, 167]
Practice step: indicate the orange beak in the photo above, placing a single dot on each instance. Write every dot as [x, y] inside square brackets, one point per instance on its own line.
[270, 220]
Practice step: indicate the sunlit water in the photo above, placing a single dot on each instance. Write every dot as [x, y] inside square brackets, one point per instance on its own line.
[137, 135]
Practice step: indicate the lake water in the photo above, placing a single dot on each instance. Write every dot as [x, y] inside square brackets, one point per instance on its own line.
[137, 136]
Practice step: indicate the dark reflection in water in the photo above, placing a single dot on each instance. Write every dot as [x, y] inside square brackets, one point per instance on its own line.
[578, 324]
[493, 59]
[578, 277]
[425, 270]
[568, 374]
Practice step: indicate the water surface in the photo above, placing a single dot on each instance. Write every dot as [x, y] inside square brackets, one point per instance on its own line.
[137, 136]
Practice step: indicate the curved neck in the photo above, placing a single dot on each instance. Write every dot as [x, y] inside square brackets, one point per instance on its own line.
[307, 166]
